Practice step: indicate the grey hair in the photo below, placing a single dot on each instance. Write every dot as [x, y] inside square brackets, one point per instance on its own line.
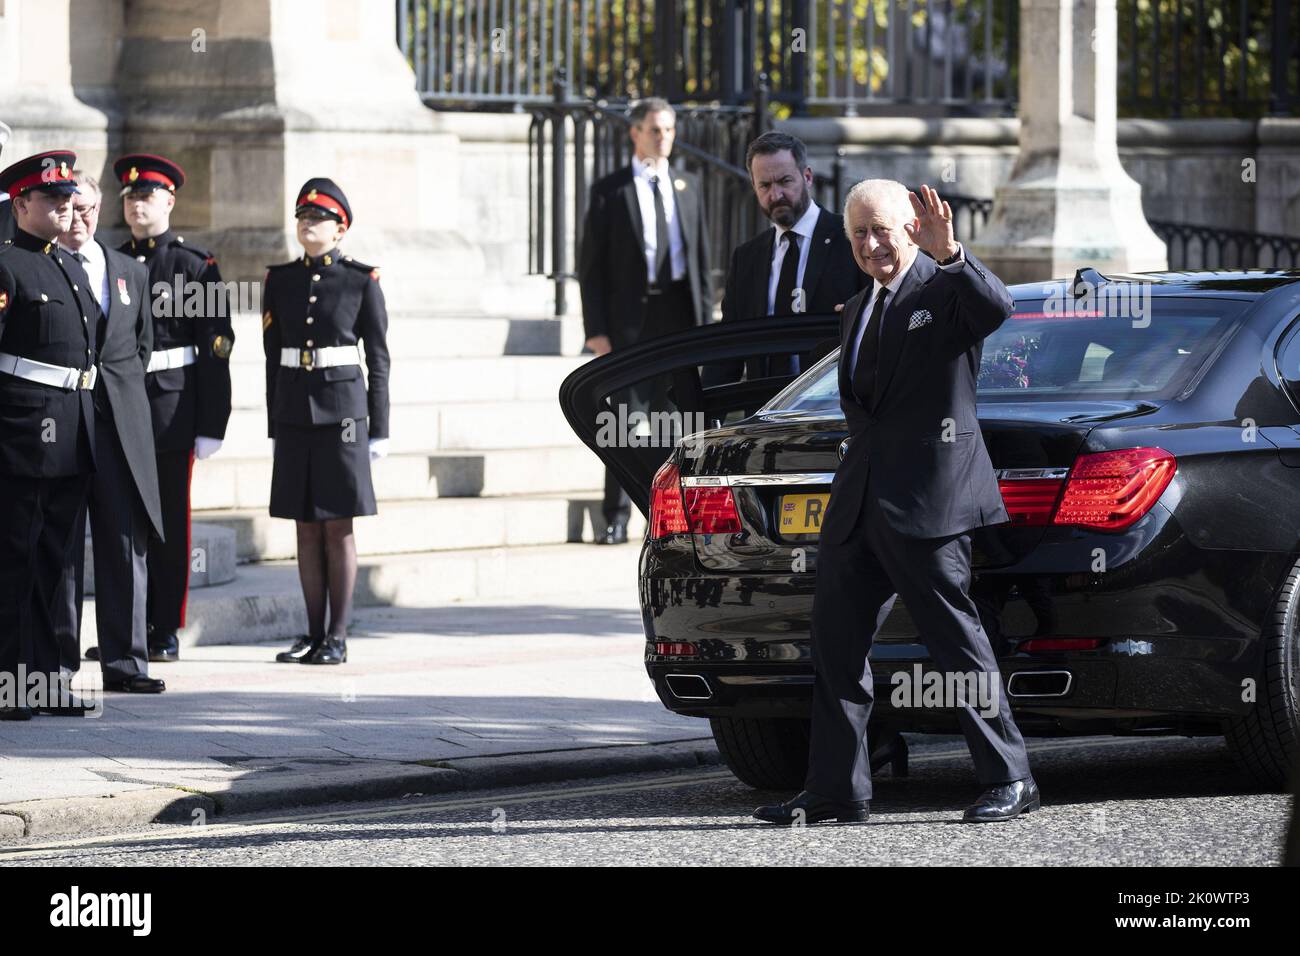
[83, 178]
[887, 195]
[651, 104]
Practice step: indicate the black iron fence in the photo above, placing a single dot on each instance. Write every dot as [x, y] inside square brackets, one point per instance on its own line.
[841, 56]
[938, 57]
[1195, 58]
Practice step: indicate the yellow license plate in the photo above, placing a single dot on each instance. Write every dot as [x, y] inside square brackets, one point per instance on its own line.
[801, 514]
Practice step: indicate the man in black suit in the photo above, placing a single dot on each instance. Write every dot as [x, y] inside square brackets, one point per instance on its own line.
[804, 265]
[914, 481]
[124, 503]
[643, 265]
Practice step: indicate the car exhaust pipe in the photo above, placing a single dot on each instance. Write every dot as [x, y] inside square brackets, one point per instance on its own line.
[688, 686]
[1038, 684]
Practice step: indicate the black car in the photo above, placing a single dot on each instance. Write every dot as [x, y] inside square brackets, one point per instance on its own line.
[1146, 436]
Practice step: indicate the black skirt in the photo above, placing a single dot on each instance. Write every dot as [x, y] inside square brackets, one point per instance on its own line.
[317, 475]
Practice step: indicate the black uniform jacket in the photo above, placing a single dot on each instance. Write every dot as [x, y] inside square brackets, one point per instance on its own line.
[125, 341]
[927, 486]
[194, 400]
[611, 262]
[313, 303]
[45, 432]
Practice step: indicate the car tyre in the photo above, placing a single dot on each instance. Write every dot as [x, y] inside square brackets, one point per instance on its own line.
[768, 753]
[1265, 742]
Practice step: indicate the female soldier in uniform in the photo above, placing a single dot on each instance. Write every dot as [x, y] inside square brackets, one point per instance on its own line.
[326, 424]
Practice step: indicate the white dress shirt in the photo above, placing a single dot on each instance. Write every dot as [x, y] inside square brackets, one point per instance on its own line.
[893, 286]
[641, 173]
[804, 230]
[96, 266]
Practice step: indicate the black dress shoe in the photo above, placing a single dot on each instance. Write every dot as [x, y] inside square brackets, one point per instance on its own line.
[15, 713]
[1004, 802]
[92, 652]
[332, 650]
[613, 534]
[136, 684]
[811, 808]
[165, 649]
[892, 751]
[295, 654]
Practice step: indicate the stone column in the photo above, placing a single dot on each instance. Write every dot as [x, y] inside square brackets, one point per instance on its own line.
[37, 97]
[1068, 203]
[254, 97]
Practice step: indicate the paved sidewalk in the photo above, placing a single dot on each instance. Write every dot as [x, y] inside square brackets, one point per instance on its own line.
[464, 681]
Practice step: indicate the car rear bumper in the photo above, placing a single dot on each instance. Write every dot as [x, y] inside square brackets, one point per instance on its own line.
[1177, 652]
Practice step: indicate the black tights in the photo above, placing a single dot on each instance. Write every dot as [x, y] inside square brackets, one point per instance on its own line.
[327, 561]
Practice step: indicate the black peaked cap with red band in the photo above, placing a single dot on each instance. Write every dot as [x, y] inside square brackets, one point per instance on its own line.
[324, 194]
[140, 172]
[50, 172]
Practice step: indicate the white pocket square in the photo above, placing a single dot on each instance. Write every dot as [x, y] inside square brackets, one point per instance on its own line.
[919, 318]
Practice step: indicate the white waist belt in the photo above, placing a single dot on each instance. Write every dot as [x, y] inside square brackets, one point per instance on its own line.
[55, 376]
[320, 358]
[178, 357]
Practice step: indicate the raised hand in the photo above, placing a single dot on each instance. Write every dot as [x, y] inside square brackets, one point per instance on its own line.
[933, 229]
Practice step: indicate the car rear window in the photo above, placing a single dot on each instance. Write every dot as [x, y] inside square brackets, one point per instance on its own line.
[1045, 353]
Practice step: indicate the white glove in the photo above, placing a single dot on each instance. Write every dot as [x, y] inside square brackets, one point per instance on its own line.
[378, 448]
[205, 447]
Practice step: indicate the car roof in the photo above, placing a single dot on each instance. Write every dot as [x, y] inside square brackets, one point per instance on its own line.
[1240, 283]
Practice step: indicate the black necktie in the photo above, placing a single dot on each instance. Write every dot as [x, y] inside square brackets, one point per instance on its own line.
[864, 373]
[663, 257]
[785, 285]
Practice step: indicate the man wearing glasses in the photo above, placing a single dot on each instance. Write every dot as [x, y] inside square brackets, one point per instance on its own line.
[123, 501]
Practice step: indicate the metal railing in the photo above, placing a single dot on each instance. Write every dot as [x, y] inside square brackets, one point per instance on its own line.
[1195, 58]
[1193, 248]
[839, 56]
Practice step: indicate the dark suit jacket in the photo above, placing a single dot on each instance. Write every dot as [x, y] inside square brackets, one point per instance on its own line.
[611, 262]
[831, 277]
[927, 487]
[127, 340]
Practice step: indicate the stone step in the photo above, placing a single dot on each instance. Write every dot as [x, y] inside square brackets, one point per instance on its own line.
[264, 602]
[443, 524]
[421, 335]
[461, 426]
[228, 482]
[212, 556]
[425, 380]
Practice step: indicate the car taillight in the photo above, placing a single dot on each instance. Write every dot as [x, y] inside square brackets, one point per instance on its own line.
[699, 509]
[667, 514]
[1111, 490]
[1030, 501]
[712, 511]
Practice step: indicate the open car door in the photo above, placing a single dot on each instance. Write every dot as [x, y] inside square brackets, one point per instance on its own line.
[632, 406]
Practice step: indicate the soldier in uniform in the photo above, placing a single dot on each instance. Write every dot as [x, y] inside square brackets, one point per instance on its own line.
[326, 424]
[188, 376]
[48, 368]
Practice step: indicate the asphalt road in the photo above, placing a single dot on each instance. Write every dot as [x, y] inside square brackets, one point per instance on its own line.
[1107, 802]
